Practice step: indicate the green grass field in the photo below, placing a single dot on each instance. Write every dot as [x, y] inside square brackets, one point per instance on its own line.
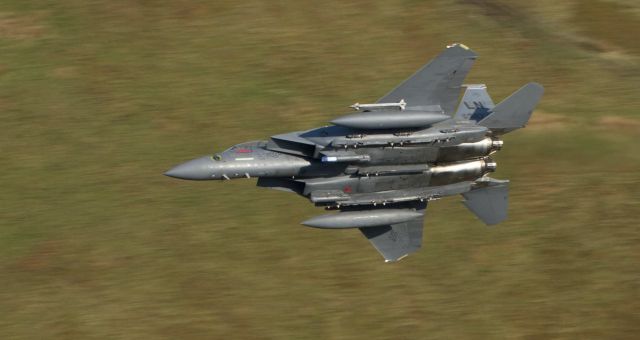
[99, 98]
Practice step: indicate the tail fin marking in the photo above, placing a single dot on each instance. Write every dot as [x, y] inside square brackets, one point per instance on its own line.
[476, 103]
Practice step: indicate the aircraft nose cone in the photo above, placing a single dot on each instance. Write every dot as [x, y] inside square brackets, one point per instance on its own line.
[196, 169]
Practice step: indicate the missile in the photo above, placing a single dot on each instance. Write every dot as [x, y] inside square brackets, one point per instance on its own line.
[362, 219]
[334, 157]
[342, 157]
[390, 120]
[379, 106]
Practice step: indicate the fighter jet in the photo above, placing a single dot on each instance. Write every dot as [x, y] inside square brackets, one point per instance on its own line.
[379, 166]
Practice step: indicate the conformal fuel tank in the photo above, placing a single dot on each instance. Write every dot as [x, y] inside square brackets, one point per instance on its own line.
[365, 218]
[390, 119]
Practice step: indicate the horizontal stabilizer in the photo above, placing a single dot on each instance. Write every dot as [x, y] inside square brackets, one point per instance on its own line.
[395, 241]
[490, 202]
[514, 112]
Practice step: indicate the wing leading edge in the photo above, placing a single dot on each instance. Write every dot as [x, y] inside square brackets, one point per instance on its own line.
[437, 83]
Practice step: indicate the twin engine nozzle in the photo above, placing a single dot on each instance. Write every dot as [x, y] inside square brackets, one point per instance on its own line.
[490, 165]
[496, 144]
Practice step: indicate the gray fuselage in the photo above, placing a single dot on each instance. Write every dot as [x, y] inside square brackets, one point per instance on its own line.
[388, 168]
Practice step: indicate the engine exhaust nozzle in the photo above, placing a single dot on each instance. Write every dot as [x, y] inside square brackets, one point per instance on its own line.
[490, 165]
[496, 144]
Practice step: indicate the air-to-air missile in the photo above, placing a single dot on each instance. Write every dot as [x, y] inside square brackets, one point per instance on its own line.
[379, 166]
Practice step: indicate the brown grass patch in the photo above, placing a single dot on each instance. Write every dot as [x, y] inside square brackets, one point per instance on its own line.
[543, 120]
[619, 123]
[484, 255]
[608, 23]
[64, 72]
[40, 257]
[17, 27]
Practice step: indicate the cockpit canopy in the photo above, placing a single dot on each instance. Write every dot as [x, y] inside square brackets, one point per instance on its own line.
[234, 151]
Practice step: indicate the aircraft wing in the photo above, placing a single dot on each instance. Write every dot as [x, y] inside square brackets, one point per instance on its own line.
[396, 241]
[437, 83]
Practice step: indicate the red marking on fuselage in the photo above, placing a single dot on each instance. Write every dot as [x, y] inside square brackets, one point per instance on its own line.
[347, 189]
[244, 150]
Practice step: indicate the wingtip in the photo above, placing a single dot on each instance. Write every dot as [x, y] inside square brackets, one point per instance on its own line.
[538, 86]
[461, 48]
[458, 44]
[395, 259]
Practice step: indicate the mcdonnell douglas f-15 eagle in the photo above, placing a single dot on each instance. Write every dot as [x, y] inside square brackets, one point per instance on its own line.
[380, 165]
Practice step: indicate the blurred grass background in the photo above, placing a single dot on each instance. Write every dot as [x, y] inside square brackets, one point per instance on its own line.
[98, 98]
